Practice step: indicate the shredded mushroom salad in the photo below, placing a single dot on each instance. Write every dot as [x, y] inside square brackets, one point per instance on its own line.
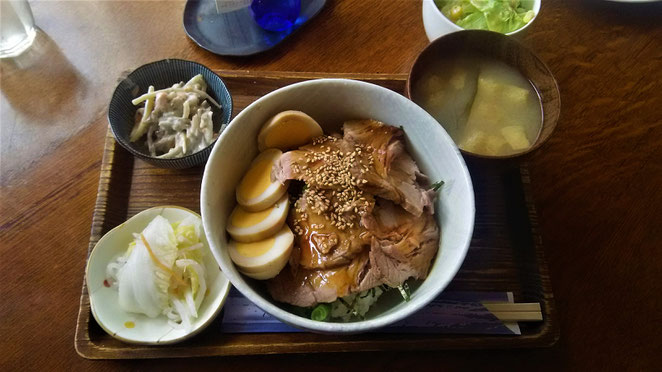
[177, 121]
[162, 272]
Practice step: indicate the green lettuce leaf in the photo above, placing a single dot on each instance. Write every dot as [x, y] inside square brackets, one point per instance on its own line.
[495, 15]
[474, 21]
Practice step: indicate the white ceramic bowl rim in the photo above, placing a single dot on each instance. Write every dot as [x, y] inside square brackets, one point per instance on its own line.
[535, 8]
[418, 302]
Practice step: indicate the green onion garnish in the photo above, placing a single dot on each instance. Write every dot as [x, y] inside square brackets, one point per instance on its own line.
[320, 312]
[437, 185]
[405, 291]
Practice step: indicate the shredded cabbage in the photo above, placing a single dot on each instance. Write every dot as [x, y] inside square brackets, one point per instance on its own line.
[355, 305]
[495, 15]
[162, 272]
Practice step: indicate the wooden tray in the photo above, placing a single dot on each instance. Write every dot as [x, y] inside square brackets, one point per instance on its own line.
[505, 254]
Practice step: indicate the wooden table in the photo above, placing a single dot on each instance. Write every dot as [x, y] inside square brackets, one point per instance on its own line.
[597, 182]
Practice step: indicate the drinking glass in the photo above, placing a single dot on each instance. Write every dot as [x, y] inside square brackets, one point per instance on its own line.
[17, 30]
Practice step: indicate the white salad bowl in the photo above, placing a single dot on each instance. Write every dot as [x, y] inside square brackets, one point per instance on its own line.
[330, 102]
[436, 24]
[143, 329]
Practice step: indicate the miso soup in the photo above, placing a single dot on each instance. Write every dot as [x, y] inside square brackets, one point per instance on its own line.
[487, 106]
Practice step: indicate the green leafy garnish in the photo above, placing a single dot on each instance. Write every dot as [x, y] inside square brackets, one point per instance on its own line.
[405, 292]
[350, 307]
[437, 185]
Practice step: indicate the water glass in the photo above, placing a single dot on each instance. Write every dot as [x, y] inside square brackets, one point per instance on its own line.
[17, 30]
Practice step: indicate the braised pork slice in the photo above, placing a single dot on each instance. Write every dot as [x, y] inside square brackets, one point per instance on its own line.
[392, 173]
[347, 240]
[318, 164]
[304, 287]
[402, 246]
[324, 242]
[372, 152]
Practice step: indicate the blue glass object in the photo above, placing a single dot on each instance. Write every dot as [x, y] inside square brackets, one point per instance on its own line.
[236, 33]
[276, 15]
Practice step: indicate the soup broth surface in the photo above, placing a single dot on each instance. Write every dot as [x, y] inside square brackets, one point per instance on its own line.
[487, 106]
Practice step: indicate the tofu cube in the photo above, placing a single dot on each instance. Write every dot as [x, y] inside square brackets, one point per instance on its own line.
[515, 137]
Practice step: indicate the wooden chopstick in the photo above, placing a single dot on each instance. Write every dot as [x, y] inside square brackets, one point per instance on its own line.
[518, 316]
[515, 312]
[510, 306]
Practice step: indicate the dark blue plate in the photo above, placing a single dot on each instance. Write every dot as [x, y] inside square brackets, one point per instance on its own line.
[236, 33]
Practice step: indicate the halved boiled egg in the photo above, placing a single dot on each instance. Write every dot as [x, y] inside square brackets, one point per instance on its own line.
[257, 191]
[288, 130]
[263, 259]
[247, 227]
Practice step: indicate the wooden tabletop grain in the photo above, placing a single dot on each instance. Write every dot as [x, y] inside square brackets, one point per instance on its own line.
[597, 182]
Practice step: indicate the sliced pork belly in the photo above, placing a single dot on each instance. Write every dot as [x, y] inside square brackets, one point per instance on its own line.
[346, 239]
[310, 162]
[375, 155]
[402, 246]
[288, 287]
[392, 174]
[322, 244]
[304, 287]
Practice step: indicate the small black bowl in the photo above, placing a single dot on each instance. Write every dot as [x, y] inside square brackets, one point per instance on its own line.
[163, 74]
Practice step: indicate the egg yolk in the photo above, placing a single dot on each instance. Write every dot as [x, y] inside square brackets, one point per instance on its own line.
[255, 249]
[243, 218]
[257, 179]
[290, 133]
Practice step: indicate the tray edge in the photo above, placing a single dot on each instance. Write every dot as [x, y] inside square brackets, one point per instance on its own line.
[82, 330]
[547, 337]
[550, 329]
